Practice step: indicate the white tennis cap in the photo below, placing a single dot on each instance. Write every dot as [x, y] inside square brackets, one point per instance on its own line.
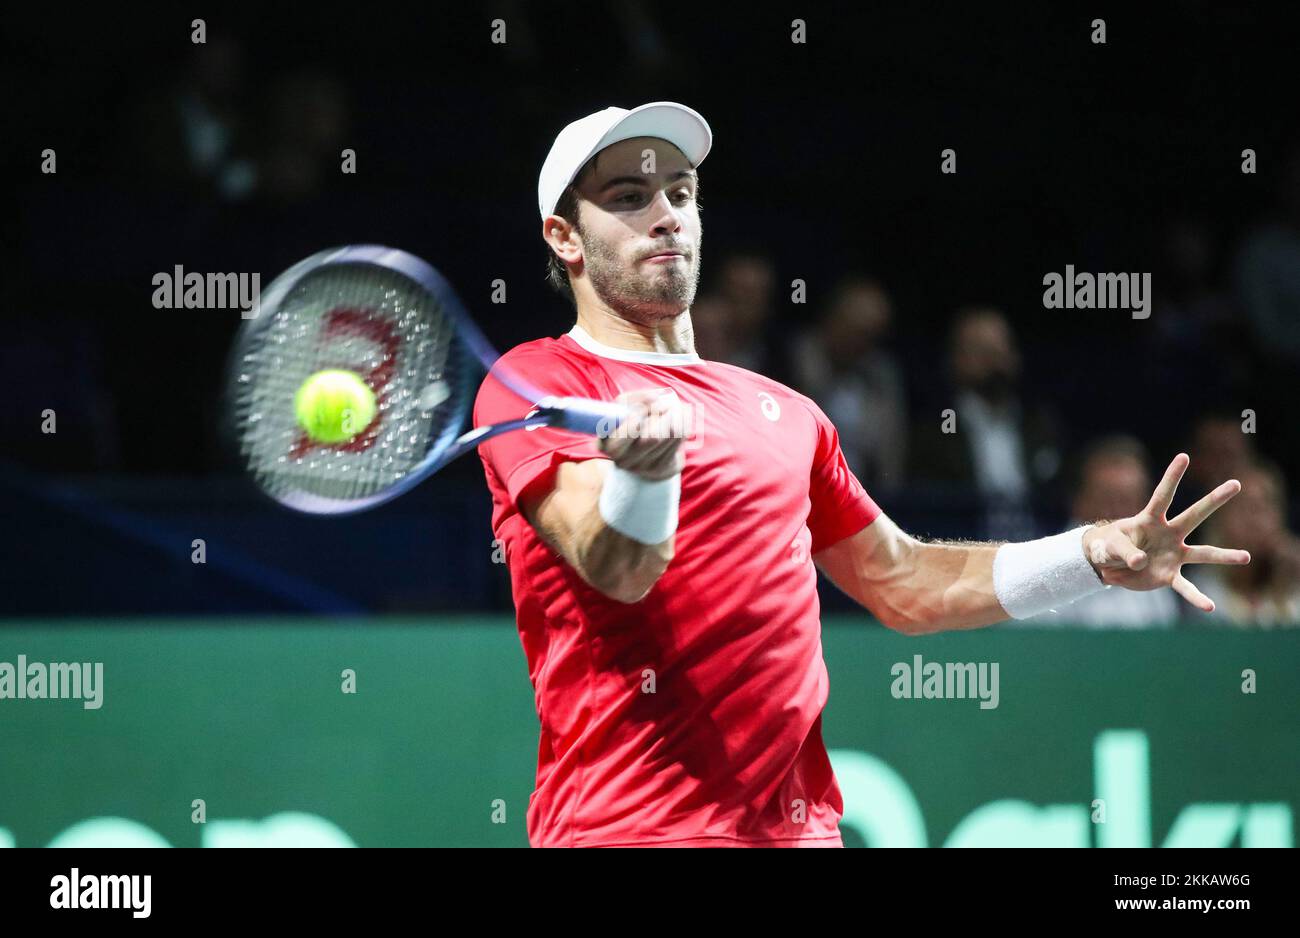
[583, 139]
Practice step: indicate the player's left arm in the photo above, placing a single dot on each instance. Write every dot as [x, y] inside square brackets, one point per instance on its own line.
[916, 586]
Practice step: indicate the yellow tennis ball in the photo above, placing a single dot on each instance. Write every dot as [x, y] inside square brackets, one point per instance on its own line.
[334, 405]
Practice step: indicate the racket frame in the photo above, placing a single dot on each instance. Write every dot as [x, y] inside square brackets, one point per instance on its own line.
[580, 415]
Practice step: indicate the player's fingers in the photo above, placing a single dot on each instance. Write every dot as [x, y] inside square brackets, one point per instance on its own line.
[1190, 519]
[621, 438]
[1106, 549]
[663, 399]
[1184, 588]
[612, 446]
[668, 463]
[648, 454]
[652, 433]
[1124, 551]
[1203, 553]
[1163, 496]
[641, 406]
[668, 418]
[653, 401]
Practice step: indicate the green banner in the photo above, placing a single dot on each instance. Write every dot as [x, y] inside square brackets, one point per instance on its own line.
[422, 732]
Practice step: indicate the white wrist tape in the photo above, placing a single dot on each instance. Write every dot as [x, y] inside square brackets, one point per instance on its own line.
[1034, 576]
[644, 510]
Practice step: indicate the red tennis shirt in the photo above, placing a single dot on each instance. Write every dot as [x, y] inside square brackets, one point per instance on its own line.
[692, 717]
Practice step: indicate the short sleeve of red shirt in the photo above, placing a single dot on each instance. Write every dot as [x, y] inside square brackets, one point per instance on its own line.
[528, 459]
[841, 507]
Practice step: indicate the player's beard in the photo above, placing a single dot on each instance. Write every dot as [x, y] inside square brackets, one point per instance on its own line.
[643, 293]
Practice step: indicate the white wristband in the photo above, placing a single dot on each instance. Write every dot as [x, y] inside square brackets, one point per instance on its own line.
[1033, 576]
[642, 509]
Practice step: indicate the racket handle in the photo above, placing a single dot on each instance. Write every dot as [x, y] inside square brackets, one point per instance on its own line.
[582, 414]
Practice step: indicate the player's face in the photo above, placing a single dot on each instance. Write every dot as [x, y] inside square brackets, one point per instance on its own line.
[630, 215]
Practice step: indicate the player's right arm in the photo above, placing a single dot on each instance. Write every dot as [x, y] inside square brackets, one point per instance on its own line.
[622, 543]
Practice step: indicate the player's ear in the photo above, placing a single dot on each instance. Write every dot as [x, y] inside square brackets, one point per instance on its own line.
[563, 238]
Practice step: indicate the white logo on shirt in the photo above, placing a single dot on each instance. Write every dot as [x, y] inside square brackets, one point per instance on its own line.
[771, 409]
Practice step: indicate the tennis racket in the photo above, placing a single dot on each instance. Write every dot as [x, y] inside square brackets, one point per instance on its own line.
[397, 323]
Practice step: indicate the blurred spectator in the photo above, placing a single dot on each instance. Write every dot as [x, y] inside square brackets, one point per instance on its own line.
[840, 364]
[632, 37]
[1113, 481]
[999, 445]
[1193, 305]
[307, 123]
[1220, 451]
[649, 52]
[1268, 272]
[197, 135]
[53, 424]
[747, 282]
[1197, 343]
[711, 322]
[1266, 591]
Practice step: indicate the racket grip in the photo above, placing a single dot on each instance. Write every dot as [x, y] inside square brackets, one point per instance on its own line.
[583, 415]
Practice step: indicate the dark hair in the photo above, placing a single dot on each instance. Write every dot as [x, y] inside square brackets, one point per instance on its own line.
[557, 273]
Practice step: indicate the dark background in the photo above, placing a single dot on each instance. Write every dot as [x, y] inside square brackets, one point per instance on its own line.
[826, 159]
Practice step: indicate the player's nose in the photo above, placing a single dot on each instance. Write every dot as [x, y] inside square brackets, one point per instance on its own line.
[664, 215]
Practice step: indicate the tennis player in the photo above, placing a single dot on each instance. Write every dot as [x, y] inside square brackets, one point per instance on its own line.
[665, 575]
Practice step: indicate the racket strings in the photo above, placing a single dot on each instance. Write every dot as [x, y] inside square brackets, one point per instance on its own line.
[390, 331]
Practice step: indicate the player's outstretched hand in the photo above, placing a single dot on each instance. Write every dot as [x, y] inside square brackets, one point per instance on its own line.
[1147, 551]
[649, 441]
